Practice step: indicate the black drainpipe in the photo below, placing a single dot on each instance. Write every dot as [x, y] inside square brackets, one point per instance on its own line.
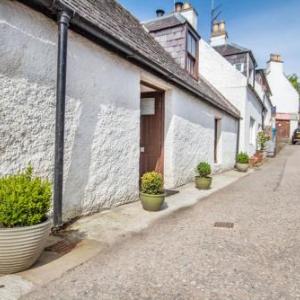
[63, 24]
[238, 137]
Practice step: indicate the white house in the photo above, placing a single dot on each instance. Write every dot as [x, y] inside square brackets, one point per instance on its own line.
[231, 69]
[130, 108]
[284, 97]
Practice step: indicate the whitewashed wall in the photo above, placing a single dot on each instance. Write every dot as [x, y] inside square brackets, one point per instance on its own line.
[284, 96]
[189, 139]
[233, 85]
[102, 116]
[102, 132]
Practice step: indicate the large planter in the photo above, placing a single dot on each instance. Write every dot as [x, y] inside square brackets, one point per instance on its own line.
[20, 247]
[242, 167]
[203, 183]
[152, 202]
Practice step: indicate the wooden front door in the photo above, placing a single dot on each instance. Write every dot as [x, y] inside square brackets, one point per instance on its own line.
[152, 132]
[283, 129]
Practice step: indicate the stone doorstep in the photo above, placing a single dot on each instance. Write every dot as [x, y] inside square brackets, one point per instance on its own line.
[96, 233]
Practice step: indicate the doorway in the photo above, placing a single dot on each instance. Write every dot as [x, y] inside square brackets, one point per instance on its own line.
[152, 132]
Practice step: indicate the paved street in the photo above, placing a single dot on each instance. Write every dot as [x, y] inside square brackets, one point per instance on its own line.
[185, 257]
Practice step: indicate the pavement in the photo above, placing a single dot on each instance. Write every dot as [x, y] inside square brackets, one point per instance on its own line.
[179, 253]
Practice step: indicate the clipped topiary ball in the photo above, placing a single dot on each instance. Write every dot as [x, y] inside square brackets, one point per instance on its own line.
[204, 169]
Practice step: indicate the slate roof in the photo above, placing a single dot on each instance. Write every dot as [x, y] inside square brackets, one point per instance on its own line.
[232, 49]
[114, 21]
[165, 22]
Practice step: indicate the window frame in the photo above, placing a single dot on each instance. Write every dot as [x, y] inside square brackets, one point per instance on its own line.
[191, 64]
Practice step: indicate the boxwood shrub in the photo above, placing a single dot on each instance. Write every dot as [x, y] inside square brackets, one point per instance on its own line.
[242, 158]
[152, 183]
[204, 169]
[24, 199]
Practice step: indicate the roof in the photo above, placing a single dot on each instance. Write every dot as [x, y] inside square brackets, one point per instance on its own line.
[165, 22]
[168, 21]
[111, 24]
[232, 49]
[263, 74]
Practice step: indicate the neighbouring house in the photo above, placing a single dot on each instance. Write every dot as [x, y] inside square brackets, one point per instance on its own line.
[263, 89]
[130, 107]
[231, 69]
[284, 97]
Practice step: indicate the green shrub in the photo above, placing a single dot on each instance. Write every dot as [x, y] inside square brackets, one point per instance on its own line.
[204, 169]
[262, 138]
[152, 183]
[242, 158]
[24, 200]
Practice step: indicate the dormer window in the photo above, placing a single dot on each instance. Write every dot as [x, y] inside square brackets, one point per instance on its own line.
[192, 50]
[240, 67]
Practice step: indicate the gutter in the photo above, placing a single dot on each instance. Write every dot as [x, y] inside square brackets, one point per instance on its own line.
[85, 28]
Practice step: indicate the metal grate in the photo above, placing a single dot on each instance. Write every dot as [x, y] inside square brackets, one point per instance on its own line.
[61, 247]
[224, 224]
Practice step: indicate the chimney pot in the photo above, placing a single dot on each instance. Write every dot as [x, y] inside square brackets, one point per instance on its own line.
[160, 13]
[276, 58]
[222, 26]
[186, 5]
[178, 6]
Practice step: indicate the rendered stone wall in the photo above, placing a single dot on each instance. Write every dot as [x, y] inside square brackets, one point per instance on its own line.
[189, 134]
[102, 112]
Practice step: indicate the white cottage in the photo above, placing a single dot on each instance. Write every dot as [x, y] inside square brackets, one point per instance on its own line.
[130, 108]
[231, 69]
[284, 97]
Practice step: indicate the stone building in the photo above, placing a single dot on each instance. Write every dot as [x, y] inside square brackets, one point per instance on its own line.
[130, 107]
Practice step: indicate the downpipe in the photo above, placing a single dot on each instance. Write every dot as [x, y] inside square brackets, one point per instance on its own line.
[64, 18]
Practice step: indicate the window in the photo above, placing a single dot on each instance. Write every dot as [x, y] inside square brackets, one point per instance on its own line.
[191, 63]
[217, 130]
[252, 132]
[240, 67]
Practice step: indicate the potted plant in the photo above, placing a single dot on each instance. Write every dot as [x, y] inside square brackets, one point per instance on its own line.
[24, 225]
[203, 180]
[152, 193]
[242, 162]
[262, 139]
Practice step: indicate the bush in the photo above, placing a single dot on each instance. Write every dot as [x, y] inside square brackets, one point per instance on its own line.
[262, 138]
[24, 200]
[152, 183]
[242, 158]
[204, 169]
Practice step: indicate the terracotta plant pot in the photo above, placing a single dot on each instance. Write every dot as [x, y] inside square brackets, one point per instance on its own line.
[152, 202]
[242, 167]
[203, 183]
[20, 247]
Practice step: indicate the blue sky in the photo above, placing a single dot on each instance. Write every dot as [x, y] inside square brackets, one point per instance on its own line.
[265, 26]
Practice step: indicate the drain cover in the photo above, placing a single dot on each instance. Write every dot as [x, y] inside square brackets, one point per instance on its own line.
[61, 247]
[224, 224]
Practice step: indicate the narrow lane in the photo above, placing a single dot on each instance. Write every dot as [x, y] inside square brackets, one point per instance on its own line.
[186, 257]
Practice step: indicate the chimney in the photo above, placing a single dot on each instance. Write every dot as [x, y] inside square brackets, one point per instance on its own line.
[178, 6]
[188, 12]
[275, 63]
[160, 13]
[219, 34]
[276, 58]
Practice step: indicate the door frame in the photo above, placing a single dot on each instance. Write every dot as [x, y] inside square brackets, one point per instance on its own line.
[159, 95]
